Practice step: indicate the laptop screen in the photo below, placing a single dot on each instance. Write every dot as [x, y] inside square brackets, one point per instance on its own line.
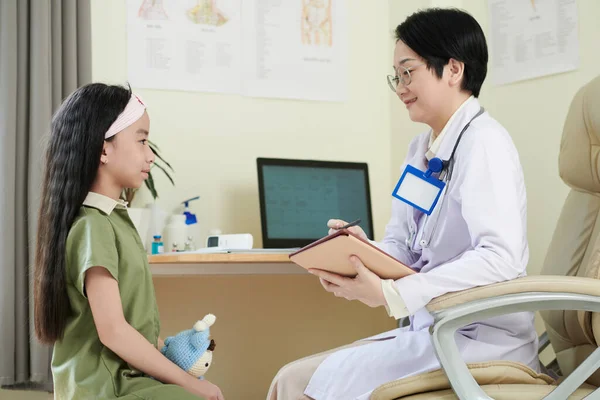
[298, 197]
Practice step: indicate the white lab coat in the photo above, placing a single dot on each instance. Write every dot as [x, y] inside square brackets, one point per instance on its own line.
[480, 239]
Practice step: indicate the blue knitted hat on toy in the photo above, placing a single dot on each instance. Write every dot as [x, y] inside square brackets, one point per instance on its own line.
[185, 348]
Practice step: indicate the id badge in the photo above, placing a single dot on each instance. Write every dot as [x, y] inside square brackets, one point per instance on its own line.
[418, 189]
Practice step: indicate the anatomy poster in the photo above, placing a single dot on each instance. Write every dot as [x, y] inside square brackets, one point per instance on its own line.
[293, 49]
[532, 38]
[184, 45]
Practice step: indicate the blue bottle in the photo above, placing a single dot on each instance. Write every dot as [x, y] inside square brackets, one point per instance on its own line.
[157, 245]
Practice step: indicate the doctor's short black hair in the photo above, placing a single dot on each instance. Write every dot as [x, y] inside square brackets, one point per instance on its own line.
[439, 34]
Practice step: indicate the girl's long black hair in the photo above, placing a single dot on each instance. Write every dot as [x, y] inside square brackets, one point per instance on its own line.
[72, 161]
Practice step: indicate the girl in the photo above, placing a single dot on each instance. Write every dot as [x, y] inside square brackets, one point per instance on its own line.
[476, 234]
[94, 296]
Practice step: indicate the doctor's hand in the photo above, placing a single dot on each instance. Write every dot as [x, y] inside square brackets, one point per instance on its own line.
[335, 224]
[364, 287]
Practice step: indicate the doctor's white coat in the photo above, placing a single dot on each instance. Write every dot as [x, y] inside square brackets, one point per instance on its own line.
[479, 238]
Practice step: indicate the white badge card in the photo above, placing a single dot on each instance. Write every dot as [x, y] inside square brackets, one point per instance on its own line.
[418, 189]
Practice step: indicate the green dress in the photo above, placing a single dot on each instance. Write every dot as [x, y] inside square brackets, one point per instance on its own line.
[82, 367]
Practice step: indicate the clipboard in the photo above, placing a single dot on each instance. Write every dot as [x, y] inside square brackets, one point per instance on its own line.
[332, 253]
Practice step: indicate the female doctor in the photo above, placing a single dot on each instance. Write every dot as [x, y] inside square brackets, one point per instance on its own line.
[474, 235]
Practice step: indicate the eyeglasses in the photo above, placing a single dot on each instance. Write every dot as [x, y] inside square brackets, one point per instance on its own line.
[404, 78]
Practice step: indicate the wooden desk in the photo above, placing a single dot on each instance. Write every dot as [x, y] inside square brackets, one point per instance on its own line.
[223, 264]
[269, 312]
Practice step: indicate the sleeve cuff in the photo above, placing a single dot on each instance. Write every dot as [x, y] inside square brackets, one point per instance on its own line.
[395, 304]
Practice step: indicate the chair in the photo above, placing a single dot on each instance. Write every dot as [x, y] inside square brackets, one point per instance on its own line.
[567, 294]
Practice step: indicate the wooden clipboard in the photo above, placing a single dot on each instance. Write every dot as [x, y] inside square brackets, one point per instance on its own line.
[332, 253]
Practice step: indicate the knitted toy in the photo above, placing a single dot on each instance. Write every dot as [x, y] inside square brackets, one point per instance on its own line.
[192, 350]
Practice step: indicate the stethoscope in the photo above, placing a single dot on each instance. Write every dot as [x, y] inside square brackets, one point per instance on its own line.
[444, 168]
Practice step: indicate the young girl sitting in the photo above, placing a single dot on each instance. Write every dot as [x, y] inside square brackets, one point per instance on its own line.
[94, 296]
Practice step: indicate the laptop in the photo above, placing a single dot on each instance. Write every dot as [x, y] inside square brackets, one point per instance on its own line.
[298, 197]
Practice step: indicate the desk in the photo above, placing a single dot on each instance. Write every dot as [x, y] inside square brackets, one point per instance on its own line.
[269, 312]
[223, 264]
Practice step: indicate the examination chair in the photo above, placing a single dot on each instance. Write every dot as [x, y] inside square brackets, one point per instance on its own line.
[567, 294]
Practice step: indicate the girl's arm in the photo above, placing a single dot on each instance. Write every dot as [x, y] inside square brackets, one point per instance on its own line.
[115, 333]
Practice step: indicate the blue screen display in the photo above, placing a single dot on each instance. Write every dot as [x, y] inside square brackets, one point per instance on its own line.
[300, 200]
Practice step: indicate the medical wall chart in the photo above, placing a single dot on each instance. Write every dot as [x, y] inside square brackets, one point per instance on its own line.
[261, 48]
[532, 38]
[184, 45]
[295, 49]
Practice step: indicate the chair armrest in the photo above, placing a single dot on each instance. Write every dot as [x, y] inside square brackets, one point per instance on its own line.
[482, 303]
[528, 284]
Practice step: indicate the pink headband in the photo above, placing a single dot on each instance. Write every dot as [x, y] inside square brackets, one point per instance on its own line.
[133, 111]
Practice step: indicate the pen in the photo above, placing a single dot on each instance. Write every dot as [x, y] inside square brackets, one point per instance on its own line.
[353, 223]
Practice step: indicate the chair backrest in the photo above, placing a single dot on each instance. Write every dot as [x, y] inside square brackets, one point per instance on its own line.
[575, 246]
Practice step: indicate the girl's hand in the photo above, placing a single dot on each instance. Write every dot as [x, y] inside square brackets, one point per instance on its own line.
[205, 389]
[336, 224]
[116, 334]
[365, 287]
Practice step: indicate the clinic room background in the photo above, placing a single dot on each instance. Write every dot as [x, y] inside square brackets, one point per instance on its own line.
[212, 141]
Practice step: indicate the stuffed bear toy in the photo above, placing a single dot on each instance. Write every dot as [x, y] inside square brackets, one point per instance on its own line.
[192, 350]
